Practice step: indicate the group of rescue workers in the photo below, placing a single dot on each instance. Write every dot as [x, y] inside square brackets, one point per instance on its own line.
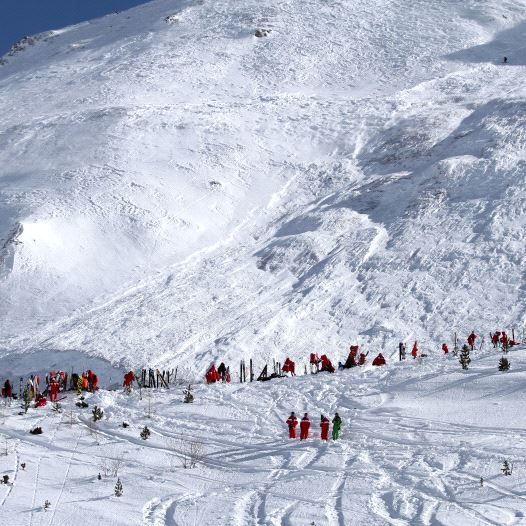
[221, 374]
[304, 423]
[355, 358]
[56, 382]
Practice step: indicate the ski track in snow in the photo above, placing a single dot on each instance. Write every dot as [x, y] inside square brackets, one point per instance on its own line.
[397, 462]
[176, 191]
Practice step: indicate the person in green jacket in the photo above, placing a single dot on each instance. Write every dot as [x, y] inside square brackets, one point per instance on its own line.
[336, 425]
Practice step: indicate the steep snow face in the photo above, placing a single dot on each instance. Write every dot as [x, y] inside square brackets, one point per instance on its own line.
[192, 191]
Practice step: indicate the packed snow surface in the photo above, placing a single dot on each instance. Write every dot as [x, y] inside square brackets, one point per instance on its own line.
[417, 437]
[175, 190]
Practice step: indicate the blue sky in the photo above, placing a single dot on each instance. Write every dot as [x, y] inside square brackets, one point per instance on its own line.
[26, 17]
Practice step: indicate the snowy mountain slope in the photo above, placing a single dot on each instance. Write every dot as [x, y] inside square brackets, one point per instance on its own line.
[416, 439]
[185, 191]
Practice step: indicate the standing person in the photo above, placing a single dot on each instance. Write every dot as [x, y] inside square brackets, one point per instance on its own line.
[53, 391]
[414, 351]
[336, 426]
[222, 371]
[129, 377]
[445, 348]
[292, 422]
[495, 338]
[401, 351]
[304, 427]
[289, 367]
[8, 389]
[471, 339]
[324, 424]
[314, 363]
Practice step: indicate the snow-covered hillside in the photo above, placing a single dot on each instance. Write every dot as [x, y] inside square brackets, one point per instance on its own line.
[417, 437]
[176, 189]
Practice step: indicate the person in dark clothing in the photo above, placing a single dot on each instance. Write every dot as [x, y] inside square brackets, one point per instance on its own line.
[222, 371]
[8, 389]
[401, 351]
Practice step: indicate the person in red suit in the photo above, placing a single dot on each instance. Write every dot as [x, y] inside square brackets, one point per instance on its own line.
[414, 351]
[289, 367]
[53, 391]
[324, 425]
[379, 360]
[471, 339]
[445, 348]
[292, 422]
[314, 362]
[351, 359]
[8, 389]
[304, 427]
[326, 364]
[495, 339]
[40, 400]
[212, 375]
[128, 379]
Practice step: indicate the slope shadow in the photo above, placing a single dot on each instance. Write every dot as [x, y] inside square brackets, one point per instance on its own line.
[510, 43]
[403, 176]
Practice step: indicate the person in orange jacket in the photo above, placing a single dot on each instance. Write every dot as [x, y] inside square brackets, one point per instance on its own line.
[324, 425]
[414, 351]
[445, 348]
[292, 422]
[304, 427]
[379, 360]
